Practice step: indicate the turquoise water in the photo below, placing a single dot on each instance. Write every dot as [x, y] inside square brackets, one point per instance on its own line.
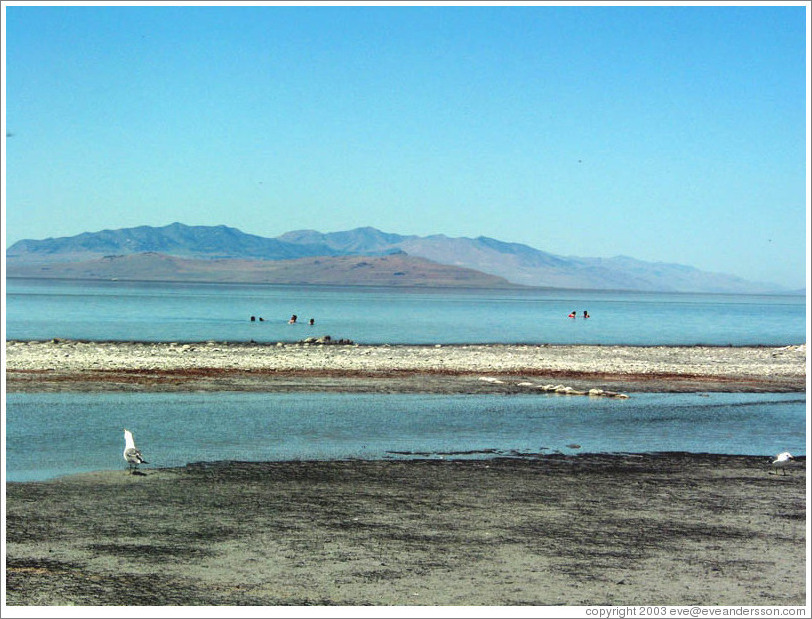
[45, 309]
[49, 435]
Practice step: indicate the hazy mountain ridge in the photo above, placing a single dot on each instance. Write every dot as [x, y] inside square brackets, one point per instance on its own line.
[680, 276]
[397, 270]
[175, 239]
[515, 262]
[360, 241]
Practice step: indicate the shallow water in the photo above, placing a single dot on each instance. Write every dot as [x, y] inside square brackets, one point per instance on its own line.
[49, 435]
[45, 309]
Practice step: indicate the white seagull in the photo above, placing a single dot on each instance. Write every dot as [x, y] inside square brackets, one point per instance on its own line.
[782, 461]
[131, 453]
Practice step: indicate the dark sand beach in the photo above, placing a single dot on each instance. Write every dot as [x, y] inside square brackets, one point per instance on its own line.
[633, 529]
[671, 529]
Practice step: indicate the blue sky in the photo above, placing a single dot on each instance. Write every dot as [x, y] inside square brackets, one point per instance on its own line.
[665, 133]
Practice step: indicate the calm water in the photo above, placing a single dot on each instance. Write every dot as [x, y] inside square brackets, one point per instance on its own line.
[48, 435]
[37, 309]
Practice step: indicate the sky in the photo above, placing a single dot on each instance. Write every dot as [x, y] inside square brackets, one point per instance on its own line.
[666, 133]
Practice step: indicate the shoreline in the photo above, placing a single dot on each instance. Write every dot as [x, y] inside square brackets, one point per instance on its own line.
[94, 366]
[657, 529]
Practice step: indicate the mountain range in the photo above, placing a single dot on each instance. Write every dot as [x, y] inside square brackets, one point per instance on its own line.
[178, 252]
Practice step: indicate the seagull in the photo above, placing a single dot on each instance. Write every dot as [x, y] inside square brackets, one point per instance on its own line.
[131, 453]
[782, 460]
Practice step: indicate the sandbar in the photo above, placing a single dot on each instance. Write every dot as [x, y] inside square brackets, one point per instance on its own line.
[69, 365]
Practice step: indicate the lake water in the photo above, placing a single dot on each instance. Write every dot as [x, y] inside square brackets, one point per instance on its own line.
[45, 309]
[48, 435]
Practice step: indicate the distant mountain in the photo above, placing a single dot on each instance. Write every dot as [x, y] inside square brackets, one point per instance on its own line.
[680, 278]
[396, 270]
[175, 239]
[361, 241]
[522, 264]
[514, 262]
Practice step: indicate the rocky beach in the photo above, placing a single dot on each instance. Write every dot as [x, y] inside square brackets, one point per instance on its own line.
[58, 365]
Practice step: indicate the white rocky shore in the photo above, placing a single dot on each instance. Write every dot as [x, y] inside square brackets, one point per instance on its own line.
[67, 356]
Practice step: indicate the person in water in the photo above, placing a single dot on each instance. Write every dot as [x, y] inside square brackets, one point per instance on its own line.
[586, 314]
[572, 314]
[312, 322]
[292, 319]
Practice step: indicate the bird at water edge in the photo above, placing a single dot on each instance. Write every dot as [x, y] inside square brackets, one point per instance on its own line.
[131, 453]
[782, 461]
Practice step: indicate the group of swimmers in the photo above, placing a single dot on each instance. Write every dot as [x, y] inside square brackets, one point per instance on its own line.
[295, 318]
[574, 315]
[292, 321]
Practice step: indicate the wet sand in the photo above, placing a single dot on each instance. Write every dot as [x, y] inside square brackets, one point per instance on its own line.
[672, 529]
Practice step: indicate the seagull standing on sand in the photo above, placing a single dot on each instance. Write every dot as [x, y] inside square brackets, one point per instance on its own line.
[782, 461]
[131, 453]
